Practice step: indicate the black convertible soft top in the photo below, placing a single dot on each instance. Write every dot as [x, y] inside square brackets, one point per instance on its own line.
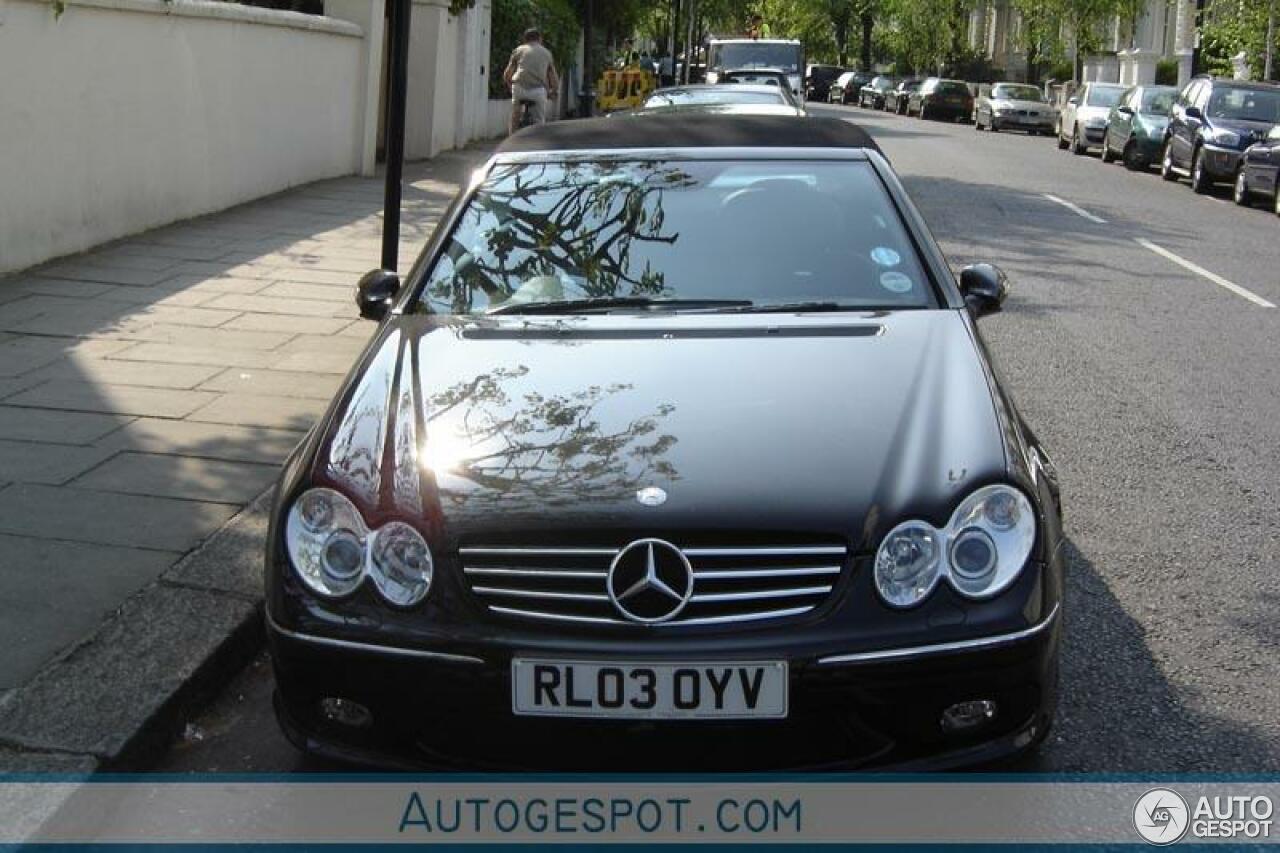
[690, 131]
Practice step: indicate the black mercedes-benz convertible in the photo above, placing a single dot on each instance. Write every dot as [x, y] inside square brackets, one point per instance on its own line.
[677, 449]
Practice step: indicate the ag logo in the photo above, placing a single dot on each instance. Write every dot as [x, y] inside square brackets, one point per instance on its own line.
[1161, 816]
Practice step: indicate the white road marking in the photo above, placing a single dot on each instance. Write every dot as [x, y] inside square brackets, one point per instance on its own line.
[1201, 271]
[1075, 208]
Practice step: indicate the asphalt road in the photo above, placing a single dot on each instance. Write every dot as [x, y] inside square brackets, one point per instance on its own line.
[1156, 389]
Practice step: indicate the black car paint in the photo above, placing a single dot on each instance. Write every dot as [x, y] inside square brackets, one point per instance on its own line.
[900, 423]
[1261, 167]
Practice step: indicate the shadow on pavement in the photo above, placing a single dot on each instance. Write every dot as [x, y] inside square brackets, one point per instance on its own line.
[150, 389]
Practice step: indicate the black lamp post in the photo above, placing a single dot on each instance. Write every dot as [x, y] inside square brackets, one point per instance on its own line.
[398, 83]
[586, 98]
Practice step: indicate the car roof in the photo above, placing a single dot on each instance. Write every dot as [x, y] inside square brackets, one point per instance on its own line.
[778, 109]
[753, 41]
[760, 88]
[686, 130]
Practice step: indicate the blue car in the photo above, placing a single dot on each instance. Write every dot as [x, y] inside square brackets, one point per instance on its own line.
[1210, 126]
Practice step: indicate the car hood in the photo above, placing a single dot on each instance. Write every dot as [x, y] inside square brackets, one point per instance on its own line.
[1086, 113]
[1250, 131]
[514, 428]
[1006, 104]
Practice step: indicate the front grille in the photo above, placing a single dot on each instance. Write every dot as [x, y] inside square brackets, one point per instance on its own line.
[730, 584]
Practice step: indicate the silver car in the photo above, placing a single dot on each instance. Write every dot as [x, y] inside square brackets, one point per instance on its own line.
[1083, 122]
[1014, 106]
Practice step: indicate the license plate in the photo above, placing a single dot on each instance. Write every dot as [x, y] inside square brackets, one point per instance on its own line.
[649, 691]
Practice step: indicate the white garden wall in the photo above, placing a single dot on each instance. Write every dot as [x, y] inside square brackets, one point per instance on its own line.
[127, 114]
[123, 115]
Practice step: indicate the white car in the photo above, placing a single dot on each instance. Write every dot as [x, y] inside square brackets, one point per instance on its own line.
[1083, 122]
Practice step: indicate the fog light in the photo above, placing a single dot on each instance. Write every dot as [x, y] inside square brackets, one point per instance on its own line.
[344, 712]
[968, 716]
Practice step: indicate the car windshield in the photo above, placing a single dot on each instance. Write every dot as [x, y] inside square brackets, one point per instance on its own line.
[1016, 93]
[911, 86]
[716, 95]
[947, 87]
[752, 234]
[1158, 101]
[1238, 102]
[759, 78]
[784, 57]
[881, 84]
[1103, 96]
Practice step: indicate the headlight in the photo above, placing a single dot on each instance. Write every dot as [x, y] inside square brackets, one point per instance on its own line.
[981, 551]
[1000, 110]
[713, 77]
[332, 550]
[1225, 137]
[401, 564]
[907, 564]
[325, 536]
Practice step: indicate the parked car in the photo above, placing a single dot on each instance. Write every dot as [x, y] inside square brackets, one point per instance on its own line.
[1210, 126]
[873, 94]
[727, 109]
[895, 101]
[1260, 172]
[1082, 124]
[818, 80]
[847, 86]
[1013, 106]
[718, 93]
[941, 98]
[522, 536]
[1137, 125]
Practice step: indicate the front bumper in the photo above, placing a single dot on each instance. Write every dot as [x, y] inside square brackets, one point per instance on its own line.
[1220, 163]
[864, 709]
[1015, 122]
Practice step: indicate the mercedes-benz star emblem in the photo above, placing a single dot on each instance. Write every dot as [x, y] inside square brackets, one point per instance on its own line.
[651, 496]
[650, 581]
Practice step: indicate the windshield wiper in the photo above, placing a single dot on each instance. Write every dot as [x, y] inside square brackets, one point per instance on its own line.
[608, 303]
[785, 307]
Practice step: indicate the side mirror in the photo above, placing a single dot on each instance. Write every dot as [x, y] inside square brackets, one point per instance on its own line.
[1193, 112]
[1125, 111]
[984, 287]
[375, 293]
[1073, 101]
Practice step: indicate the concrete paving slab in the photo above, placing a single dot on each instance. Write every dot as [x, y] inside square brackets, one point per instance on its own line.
[326, 344]
[80, 515]
[204, 440]
[51, 464]
[17, 312]
[216, 480]
[267, 305]
[140, 664]
[116, 399]
[162, 333]
[88, 271]
[54, 593]
[112, 372]
[58, 427]
[274, 383]
[195, 283]
[338, 363]
[312, 292]
[64, 287]
[292, 413]
[178, 354]
[287, 323]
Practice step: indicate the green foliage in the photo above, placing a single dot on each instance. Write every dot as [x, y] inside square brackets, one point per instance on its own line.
[1167, 72]
[554, 18]
[1231, 27]
[457, 7]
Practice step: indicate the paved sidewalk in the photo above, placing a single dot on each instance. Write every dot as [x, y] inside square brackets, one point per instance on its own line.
[149, 391]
